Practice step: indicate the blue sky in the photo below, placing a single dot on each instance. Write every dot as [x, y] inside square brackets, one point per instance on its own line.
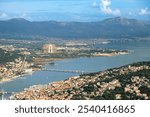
[74, 10]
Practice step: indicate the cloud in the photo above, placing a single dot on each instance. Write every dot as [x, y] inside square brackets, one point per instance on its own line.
[3, 16]
[144, 11]
[6, 16]
[130, 13]
[94, 4]
[77, 17]
[105, 6]
[25, 16]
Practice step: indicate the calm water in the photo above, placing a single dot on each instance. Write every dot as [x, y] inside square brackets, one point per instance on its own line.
[141, 53]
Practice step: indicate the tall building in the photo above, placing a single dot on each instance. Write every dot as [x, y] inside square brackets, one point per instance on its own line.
[49, 48]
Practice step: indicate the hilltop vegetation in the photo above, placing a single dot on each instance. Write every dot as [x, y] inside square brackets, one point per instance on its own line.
[6, 56]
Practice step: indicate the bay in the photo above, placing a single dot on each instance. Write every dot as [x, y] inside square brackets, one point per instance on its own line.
[93, 64]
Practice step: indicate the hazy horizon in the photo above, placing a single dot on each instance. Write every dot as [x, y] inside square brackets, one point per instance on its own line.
[15, 18]
[74, 10]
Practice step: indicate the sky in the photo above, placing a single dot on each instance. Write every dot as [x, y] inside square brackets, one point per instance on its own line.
[74, 10]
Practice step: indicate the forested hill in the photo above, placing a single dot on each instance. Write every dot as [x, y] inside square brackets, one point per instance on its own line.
[117, 28]
[6, 56]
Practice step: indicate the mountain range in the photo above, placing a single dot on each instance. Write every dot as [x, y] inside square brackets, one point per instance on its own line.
[117, 27]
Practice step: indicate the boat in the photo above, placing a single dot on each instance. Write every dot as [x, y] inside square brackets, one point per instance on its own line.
[51, 63]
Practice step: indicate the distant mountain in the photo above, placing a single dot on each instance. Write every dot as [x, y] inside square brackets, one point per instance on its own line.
[110, 28]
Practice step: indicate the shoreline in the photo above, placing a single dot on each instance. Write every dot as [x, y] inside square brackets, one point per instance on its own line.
[74, 86]
[15, 77]
[110, 54]
[43, 61]
[34, 69]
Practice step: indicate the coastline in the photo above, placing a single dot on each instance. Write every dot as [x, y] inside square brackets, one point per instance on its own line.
[43, 61]
[110, 54]
[93, 86]
[15, 77]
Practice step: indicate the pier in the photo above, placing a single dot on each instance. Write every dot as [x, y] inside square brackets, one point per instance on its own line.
[66, 71]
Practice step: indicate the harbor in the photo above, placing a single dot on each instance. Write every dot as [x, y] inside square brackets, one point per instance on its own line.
[93, 64]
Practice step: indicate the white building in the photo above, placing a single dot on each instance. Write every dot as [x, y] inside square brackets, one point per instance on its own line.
[49, 48]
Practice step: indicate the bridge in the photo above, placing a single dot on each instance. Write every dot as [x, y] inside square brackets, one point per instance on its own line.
[66, 71]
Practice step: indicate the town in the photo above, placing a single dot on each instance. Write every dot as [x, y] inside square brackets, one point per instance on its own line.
[21, 57]
[127, 82]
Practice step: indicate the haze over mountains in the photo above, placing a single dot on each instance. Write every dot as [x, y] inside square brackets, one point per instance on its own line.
[110, 28]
